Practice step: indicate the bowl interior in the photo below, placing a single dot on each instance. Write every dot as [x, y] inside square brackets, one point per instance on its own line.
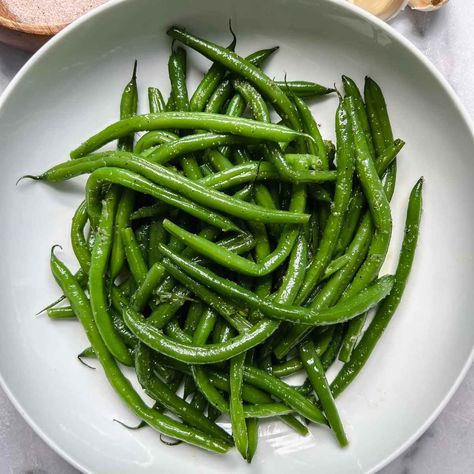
[72, 88]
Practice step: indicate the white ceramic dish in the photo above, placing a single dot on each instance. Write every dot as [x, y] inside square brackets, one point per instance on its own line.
[71, 88]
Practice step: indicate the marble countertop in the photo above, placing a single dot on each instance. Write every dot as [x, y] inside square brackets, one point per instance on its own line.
[446, 447]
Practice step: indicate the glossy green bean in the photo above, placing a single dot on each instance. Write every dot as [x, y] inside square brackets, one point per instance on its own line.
[316, 375]
[78, 241]
[156, 103]
[358, 203]
[98, 268]
[205, 327]
[303, 88]
[136, 262]
[236, 408]
[148, 141]
[64, 312]
[351, 89]
[317, 145]
[128, 108]
[192, 143]
[388, 306]
[187, 121]
[209, 83]
[122, 220]
[284, 392]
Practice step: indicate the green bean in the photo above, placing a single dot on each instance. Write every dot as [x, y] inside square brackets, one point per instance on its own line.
[193, 316]
[244, 68]
[335, 265]
[64, 312]
[191, 143]
[187, 121]
[342, 195]
[351, 89]
[388, 306]
[208, 84]
[334, 347]
[339, 313]
[241, 243]
[358, 202]
[334, 287]
[378, 116]
[79, 244]
[252, 435]
[157, 236]
[285, 392]
[160, 392]
[250, 393]
[148, 142]
[224, 90]
[255, 171]
[303, 88]
[217, 160]
[164, 177]
[266, 410]
[177, 73]
[156, 103]
[135, 259]
[316, 146]
[213, 396]
[119, 382]
[315, 372]
[88, 352]
[122, 220]
[128, 108]
[166, 311]
[236, 408]
[98, 267]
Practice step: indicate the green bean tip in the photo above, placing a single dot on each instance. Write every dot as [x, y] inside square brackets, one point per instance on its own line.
[79, 358]
[36, 177]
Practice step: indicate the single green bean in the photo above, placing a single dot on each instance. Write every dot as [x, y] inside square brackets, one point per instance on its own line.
[98, 268]
[315, 372]
[156, 103]
[388, 306]
[187, 121]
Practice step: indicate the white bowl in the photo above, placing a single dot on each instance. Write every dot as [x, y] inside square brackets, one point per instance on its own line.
[71, 88]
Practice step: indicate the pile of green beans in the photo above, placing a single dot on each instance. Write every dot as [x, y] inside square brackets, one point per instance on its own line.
[220, 252]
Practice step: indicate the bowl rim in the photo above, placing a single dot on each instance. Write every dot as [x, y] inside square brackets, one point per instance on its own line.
[358, 12]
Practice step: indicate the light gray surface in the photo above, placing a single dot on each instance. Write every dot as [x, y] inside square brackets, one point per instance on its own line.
[446, 448]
